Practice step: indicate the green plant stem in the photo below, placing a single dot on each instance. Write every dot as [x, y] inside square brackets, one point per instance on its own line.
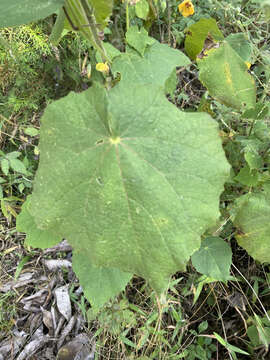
[127, 15]
[93, 27]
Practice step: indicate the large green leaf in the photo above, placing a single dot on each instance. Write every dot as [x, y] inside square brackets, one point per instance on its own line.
[128, 179]
[253, 220]
[226, 76]
[17, 12]
[214, 258]
[35, 237]
[99, 284]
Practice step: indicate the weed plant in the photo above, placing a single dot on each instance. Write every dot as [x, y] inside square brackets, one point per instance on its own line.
[137, 325]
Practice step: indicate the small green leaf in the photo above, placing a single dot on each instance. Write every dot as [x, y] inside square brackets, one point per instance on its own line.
[254, 160]
[14, 12]
[5, 166]
[18, 166]
[31, 131]
[20, 266]
[203, 326]
[229, 346]
[247, 177]
[142, 9]
[138, 39]
[13, 155]
[213, 259]
[1, 192]
[197, 33]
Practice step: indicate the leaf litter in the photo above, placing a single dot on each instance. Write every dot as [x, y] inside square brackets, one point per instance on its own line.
[47, 324]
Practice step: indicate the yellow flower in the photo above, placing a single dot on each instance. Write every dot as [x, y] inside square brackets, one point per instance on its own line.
[248, 64]
[103, 67]
[186, 8]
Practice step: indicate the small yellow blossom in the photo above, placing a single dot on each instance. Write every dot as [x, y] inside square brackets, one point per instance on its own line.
[186, 8]
[248, 64]
[103, 67]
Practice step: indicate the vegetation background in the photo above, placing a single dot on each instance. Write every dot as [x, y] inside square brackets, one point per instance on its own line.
[136, 325]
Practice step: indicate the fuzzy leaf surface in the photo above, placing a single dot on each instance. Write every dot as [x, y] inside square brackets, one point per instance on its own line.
[35, 237]
[253, 220]
[99, 284]
[128, 179]
[18, 12]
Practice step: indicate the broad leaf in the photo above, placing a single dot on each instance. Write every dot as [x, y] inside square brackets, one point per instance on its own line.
[155, 67]
[226, 77]
[253, 213]
[198, 34]
[35, 238]
[131, 181]
[213, 259]
[17, 12]
[99, 284]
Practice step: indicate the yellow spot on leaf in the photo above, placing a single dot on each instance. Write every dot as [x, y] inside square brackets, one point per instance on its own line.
[103, 67]
[186, 8]
[228, 74]
[116, 140]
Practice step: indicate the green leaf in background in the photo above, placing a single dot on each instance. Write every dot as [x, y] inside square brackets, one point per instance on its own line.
[252, 218]
[35, 237]
[241, 45]
[18, 166]
[58, 28]
[156, 67]
[247, 177]
[142, 9]
[213, 259]
[225, 75]
[17, 12]
[253, 158]
[99, 284]
[139, 39]
[259, 112]
[102, 11]
[198, 34]
[5, 166]
[124, 170]
[31, 131]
